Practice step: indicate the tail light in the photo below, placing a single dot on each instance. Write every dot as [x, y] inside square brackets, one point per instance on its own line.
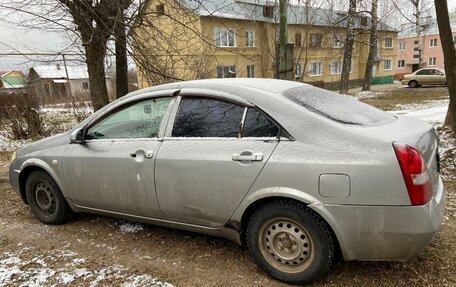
[415, 173]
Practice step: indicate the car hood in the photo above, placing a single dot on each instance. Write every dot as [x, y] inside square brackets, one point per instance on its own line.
[46, 143]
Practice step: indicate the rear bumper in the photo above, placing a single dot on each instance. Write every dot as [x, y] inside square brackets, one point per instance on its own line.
[385, 232]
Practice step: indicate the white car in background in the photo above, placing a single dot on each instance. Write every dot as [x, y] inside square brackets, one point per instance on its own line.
[427, 76]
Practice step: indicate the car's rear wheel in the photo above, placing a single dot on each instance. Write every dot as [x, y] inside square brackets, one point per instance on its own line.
[413, 84]
[45, 199]
[290, 242]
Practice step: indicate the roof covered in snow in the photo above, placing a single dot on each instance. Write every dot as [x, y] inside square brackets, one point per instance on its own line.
[58, 72]
[429, 27]
[253, 10]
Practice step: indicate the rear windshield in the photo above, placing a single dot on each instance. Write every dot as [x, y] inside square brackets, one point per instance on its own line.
[336, 107]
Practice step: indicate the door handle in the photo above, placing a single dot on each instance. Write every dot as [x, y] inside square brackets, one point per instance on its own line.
[247, 156]
[140, 154]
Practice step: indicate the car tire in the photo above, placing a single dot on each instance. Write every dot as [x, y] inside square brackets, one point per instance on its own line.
[413, 84]
[290, 242]
[46, 199]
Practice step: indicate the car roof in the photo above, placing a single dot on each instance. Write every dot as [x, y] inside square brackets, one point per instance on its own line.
[270, 86]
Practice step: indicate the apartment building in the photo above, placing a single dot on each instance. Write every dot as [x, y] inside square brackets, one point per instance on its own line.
[190, 39]
[431, 46]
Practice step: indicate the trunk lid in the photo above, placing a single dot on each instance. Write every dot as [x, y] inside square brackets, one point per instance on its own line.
[416, 133]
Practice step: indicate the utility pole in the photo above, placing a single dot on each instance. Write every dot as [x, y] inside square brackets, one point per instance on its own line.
[283, 57]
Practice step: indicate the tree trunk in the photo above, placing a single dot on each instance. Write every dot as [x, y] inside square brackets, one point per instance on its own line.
[121, 60]
[95, 55]
[283, 59]
[417, 4]
[372, 48]
[446, 37]
[348, 48]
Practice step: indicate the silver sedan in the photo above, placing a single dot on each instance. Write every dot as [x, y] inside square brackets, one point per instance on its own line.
[294, 172]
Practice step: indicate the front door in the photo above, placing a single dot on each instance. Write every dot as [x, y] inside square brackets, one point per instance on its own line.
[211, 159]
[114, 169]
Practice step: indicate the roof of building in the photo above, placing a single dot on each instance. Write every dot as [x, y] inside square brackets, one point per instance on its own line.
[429, 27]
[12, 79]
[58, 72]
[253, 10]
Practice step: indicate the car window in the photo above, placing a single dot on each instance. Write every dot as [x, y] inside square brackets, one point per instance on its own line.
[257, 124]
[423, 72]
[199, 117]
[336, 107]
[140, 120]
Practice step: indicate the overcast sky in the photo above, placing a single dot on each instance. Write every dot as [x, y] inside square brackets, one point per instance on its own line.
[18, 39]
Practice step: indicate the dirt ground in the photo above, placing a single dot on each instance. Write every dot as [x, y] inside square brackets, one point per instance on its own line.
[99, 251]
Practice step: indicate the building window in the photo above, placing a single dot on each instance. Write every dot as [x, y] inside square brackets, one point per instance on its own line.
[249, 39]
[388, 42]
[160, 8]
[298, 40]
[226, 71]
[85, 85]
[402, 46]
[433, 42]
[416, 56]
[387, 65]
[454, 39]
[268, 11]
[298, 70]
[337, 41]
[401, 64]
[432, 61]
[315, 40]
[336, 67]
[315, 69]
[224, 37]
[250, 71]
[416, 42]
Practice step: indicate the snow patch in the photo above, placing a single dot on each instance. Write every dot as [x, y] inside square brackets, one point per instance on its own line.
[367, 94]
[17, 270]
[131, 228]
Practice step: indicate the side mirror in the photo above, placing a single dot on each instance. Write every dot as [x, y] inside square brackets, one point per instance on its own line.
[78, 136]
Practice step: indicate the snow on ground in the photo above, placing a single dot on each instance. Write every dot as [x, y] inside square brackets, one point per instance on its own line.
[18, 270]
[130, 227]
[367, 94]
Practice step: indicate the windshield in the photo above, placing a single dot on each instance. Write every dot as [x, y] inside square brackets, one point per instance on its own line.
[336, 107]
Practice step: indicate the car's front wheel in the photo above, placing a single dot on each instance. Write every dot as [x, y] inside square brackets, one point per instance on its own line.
[290, 242]
[45, 199]
[413, 84]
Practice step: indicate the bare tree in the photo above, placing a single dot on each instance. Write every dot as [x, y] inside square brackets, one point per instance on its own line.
[120, 38]
[420, 9]
[449, 52]
[372, 46]
[93, 22]
[348, 48]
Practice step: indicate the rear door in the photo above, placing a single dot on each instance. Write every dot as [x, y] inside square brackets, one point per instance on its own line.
[214, 151]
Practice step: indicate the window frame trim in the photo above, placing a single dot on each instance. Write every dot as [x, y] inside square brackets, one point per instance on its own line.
[126, 105]
[221, 96]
